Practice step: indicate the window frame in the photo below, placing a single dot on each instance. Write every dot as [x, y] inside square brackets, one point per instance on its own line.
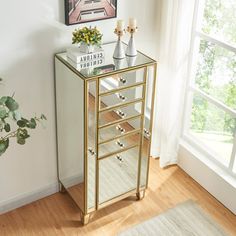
[196, 36]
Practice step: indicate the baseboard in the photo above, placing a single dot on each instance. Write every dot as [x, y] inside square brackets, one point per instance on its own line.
[26, 198]
[72, 180]
[208, 178]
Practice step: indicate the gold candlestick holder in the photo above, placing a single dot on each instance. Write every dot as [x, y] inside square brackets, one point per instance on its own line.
[131, 48]
[119, 52]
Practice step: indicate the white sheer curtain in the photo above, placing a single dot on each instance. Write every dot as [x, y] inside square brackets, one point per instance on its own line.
[174, 43]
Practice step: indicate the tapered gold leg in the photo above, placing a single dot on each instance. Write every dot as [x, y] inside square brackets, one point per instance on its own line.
[140, 195]
[84, 218]
[61, 188]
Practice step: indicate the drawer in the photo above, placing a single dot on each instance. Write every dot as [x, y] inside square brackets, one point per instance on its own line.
[121, 80]
[121, 128]
[117, 145]
[121, 97]
[118, 174]
[107, 118]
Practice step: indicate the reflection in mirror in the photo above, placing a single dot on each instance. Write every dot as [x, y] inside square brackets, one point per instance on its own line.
[118, 174]
[147, 130]
[92, 151]
[118, 129]
[119, 144]
[122, 80]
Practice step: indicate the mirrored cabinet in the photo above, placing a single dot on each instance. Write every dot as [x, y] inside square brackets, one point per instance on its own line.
[104, 123]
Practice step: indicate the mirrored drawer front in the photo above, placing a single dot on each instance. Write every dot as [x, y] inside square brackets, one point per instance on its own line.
[121, 97]
[119, 129]
[109, 117]
[117, 145]
[118, 174]
[122, 80]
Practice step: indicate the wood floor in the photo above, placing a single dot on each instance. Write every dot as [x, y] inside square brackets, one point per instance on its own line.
[58, 215]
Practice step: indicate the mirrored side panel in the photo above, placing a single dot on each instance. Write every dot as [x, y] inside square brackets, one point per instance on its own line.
[70, 131]
[91, 144]
[147, 125]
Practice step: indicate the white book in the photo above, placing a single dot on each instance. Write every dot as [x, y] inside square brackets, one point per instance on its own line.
[87, 64]
[78, 57]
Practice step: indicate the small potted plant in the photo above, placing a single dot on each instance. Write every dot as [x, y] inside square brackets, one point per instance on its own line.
[87, 39]
[12, 124]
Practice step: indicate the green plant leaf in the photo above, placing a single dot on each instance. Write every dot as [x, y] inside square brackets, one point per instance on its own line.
[21, 135]
[43, 117]
[3, 100]
[11, 104]
[16, 115]
[31, 124]
[3, 112]
[4, 144]
[21, 123]
[21, 141]
[7, 127]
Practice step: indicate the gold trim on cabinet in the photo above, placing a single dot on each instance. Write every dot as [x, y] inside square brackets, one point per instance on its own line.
[118, 152]
[121, 105]
[112, 91]
[123, 70]
[97, 145]
[121, 136]
[93, 77]
[85, 145]
[119, 198]
[142, 134]
[119, 121]
[151, 119]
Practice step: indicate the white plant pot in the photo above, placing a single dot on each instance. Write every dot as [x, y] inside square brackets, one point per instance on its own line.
[85, 48]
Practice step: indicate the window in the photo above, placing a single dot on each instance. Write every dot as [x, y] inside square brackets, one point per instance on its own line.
[210, 112]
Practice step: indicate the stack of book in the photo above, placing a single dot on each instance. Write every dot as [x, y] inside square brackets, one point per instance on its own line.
[84, 61]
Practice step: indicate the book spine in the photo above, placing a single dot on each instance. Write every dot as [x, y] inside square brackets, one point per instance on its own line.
[90, 64]
[90, 57]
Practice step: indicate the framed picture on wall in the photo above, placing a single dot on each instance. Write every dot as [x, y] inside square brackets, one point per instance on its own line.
[83, 11]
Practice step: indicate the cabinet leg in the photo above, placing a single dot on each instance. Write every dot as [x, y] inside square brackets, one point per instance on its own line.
[140, 195]
[61, 188]
[84, 218]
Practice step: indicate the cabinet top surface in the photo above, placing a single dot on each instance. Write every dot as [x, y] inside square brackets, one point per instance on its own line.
[107, 65]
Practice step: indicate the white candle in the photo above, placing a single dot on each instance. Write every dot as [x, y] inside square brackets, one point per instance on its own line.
[120, 25]
[132, 23]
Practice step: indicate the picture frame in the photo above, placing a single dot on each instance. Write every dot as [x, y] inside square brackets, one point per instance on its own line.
[83, 11]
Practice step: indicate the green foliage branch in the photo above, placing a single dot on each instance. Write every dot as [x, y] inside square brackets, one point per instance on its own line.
[10, 116]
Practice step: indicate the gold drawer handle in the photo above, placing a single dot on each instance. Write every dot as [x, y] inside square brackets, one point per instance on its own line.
[91, 151]
[121, 113]
[121, 97]
[122, 130]
[147, 133]
[120, 144]
[119, 158]
[122, 80]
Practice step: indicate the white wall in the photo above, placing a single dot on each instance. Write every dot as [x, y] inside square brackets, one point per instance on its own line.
[30, 33]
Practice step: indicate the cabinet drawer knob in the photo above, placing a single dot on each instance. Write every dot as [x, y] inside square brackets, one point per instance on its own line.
[122, 80]
[122, 130]
[119, 143]
[121, 97]
[121, 113]
[147, 133]
[119, 158]
[91, 151]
